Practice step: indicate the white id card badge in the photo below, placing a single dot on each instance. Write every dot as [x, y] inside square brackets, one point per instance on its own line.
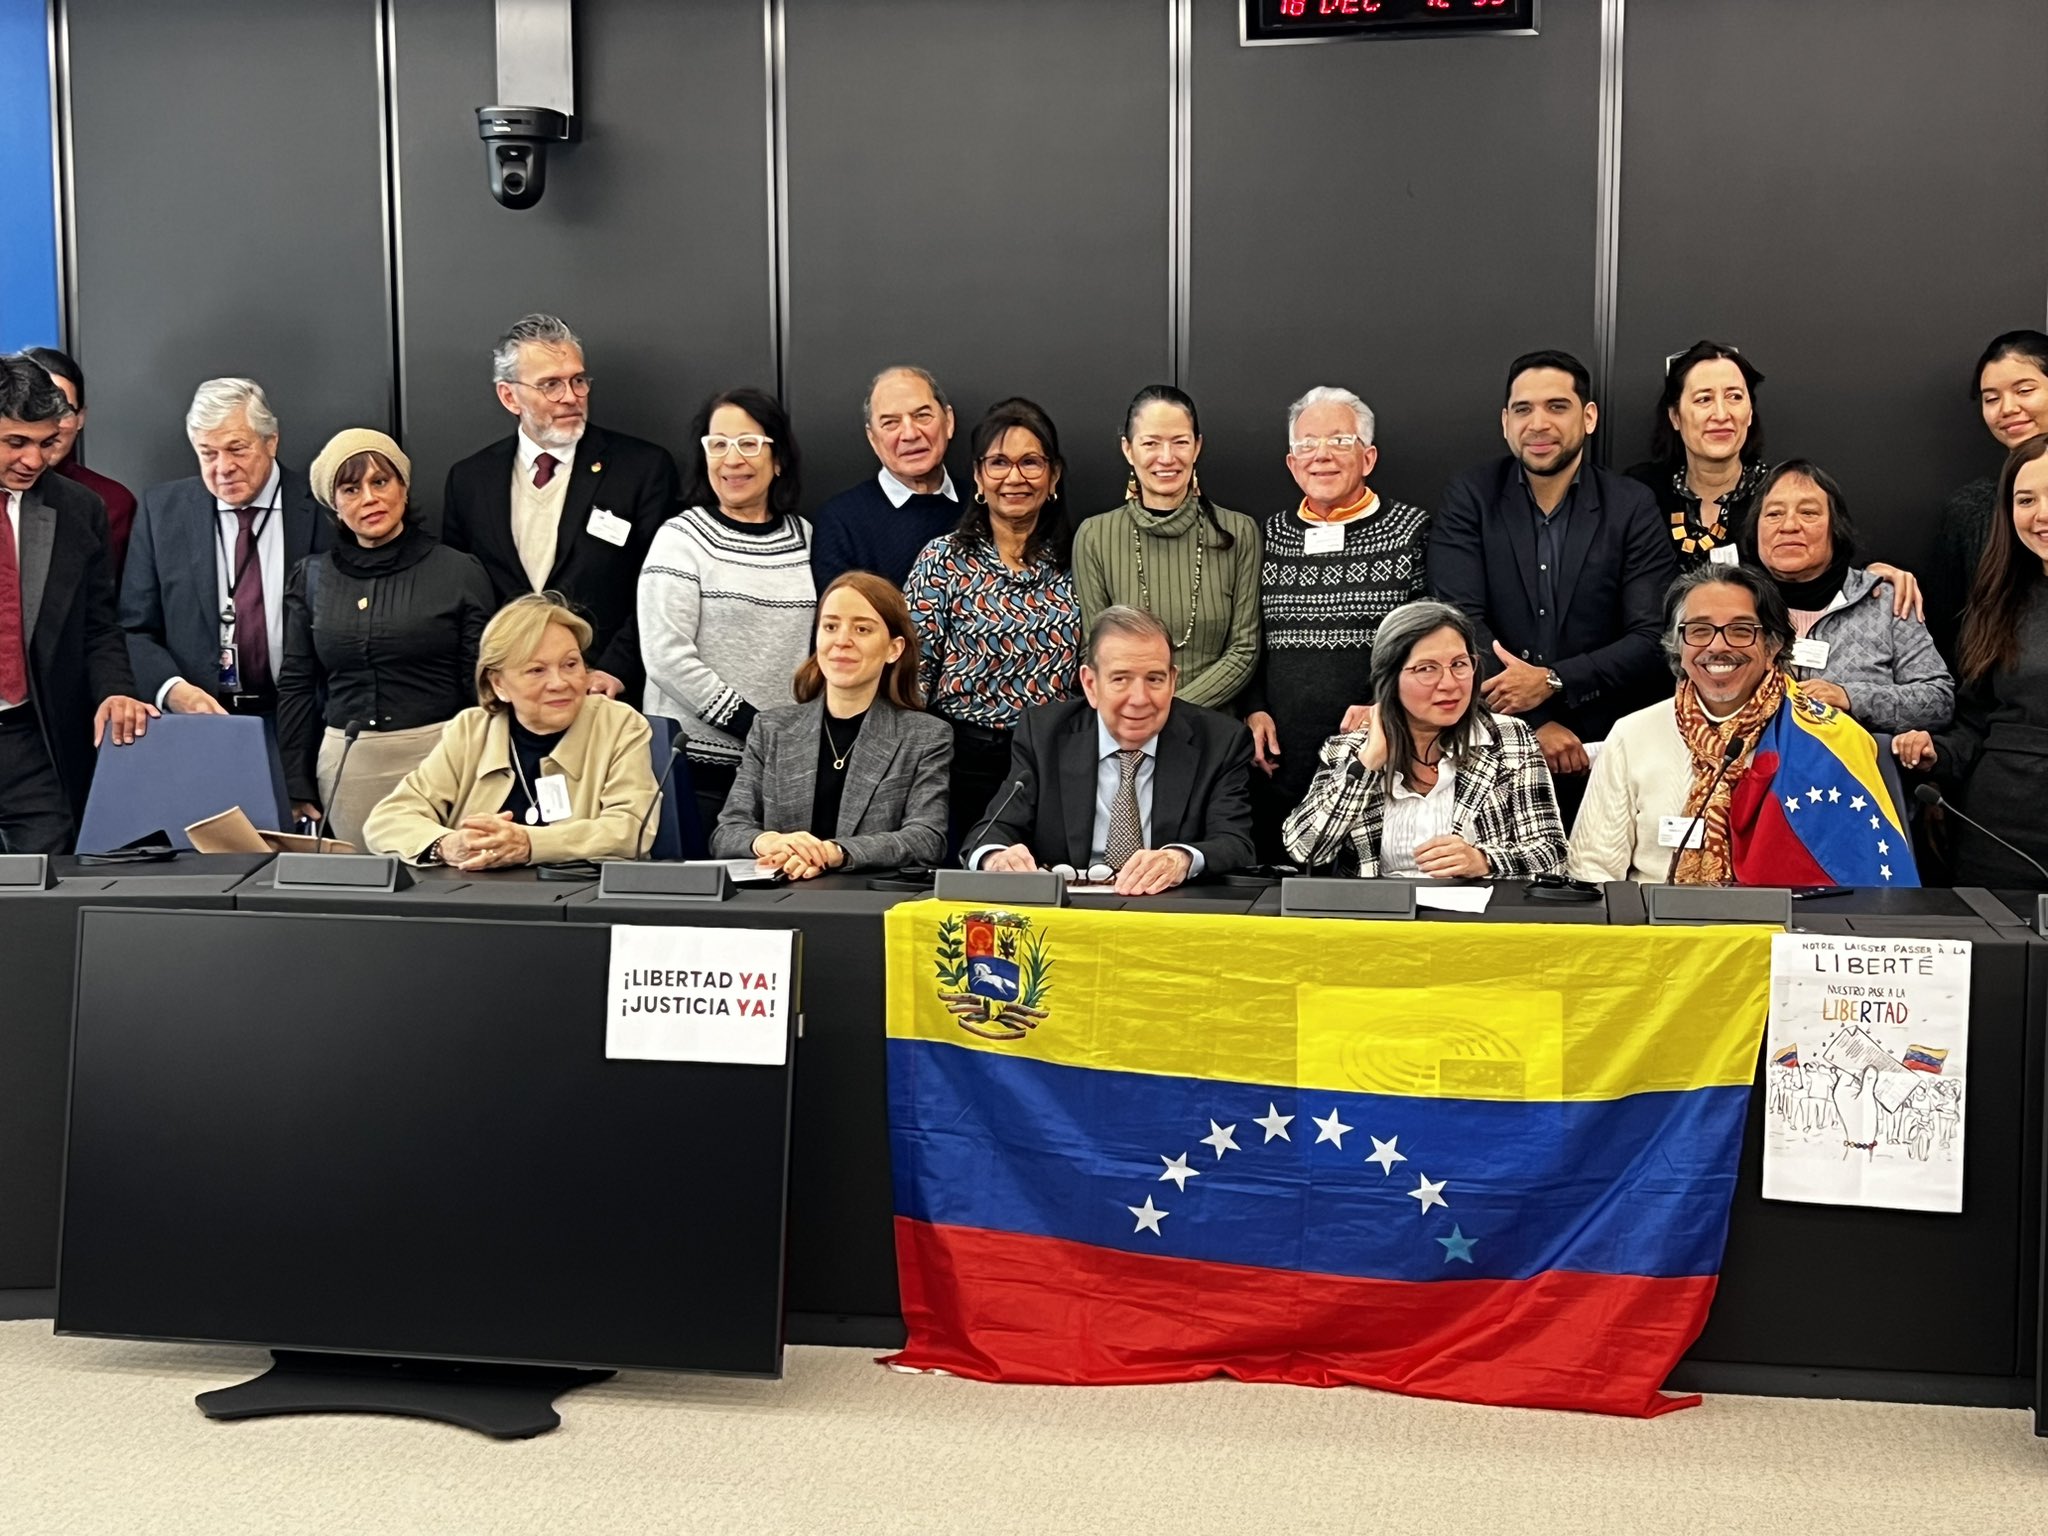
[1323, 539]
[605, 525]
[1810, 653]
[1671, 828]
[1725, 554]
[551, 790]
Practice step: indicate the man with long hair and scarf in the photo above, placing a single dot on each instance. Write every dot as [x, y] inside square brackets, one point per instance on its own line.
[1738, 778]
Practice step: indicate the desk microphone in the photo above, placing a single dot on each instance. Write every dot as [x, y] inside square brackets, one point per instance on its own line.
[1927, 794]
[1728, 756]
[967, 844]
[349, 733]
[675, 750]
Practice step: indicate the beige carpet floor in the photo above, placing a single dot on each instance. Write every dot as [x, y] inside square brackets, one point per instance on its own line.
[102, 1437]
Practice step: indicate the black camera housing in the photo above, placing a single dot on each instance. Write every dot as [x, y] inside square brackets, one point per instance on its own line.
[516, 143]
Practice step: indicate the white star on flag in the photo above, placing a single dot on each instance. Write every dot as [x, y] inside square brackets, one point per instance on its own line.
[1813, 795]
[1834, 796]
[1330, 1128]
[1873, 823]
[1384, 1154]
[1222, 1137]
[1858, 803]
[1149, 1216]
[1885, 870]
[1883, 846]
[1274, 1123]
[1429, 1194]
[1791, 803]
[1177, 1169]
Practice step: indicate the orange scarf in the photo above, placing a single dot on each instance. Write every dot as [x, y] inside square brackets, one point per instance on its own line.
[1338, 514]
[1713, 862]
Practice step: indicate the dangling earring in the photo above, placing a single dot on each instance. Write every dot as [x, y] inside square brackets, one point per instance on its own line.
[1131, 486]
[1195, 483]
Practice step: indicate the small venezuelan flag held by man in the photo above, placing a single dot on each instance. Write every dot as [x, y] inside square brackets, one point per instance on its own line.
[1491, 1163]
[1813, 808]
[1924, 1058]
[1788, 1057]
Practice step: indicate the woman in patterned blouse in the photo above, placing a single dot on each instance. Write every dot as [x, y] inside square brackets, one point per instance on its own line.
[994, 602]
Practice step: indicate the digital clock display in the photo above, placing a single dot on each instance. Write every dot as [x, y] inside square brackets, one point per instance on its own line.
[1307, 21]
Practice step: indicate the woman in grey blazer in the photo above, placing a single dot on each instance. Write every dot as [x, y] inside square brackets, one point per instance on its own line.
[853, 775]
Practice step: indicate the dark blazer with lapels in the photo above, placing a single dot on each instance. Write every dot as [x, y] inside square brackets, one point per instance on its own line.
[626, 476]
[170, 586]
[76, 656]
[892, 809]
[1201, 787]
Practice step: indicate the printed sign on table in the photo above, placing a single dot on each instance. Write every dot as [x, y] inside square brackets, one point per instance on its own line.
[699, 994]
[1866, 1071]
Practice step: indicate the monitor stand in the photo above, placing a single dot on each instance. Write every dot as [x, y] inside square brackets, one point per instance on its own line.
[506, 1402]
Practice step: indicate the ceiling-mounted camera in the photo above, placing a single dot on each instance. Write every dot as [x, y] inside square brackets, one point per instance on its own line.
[537, 70]
[516, 139]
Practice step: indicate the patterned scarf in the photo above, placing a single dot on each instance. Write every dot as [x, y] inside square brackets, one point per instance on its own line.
[1712, 863]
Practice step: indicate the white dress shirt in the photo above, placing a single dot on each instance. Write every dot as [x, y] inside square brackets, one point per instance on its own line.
[1411, 820]
[537, 514]
[1108, 775]
[10, 513]
[898, 493]
[269, 566]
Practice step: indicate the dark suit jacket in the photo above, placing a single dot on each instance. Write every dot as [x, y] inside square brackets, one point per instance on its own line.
[1201, 790]
[626, 476]
[1618, 563]
[170, 593]
[75, 653]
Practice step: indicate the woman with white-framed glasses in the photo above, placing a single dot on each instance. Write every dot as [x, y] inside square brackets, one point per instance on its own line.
[1432, 784]
[726, 597]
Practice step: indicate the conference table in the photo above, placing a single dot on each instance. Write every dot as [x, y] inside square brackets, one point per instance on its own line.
[1813, 1300]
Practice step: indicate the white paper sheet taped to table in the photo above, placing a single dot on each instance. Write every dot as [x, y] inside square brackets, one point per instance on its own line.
[1866, 1070]
[699, 994]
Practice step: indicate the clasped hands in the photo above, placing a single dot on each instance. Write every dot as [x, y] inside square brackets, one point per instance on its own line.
[1145, 873]
[486, 842]
[798, 855]
[1441, 858]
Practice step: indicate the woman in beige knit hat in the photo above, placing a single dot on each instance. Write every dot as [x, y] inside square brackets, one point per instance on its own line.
[385, 625]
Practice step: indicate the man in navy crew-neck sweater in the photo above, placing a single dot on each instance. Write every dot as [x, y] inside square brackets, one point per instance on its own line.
[881, 524]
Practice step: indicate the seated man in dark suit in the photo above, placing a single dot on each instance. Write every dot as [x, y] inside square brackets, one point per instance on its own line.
[64, 678]
[560, 505]
[1562, 568]
[1157, 790]
[202, 593]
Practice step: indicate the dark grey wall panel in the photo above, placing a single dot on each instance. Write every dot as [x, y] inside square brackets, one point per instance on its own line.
[1854, 193]
[651, 240]
[229, 219]
[1402, 218]
[980, 189]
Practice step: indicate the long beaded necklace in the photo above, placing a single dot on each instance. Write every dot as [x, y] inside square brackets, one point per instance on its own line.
[1145, 590]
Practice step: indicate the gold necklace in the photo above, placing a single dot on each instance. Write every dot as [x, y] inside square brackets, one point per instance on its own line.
[1145, 591]
[838, 757]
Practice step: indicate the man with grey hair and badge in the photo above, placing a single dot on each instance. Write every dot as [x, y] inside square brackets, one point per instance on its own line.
[882, 523]
[202, 592]
[561, 505]
[1333, 566]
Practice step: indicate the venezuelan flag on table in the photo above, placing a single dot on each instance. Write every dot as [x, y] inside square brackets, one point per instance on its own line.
[1487, 1162]
[1813, 808]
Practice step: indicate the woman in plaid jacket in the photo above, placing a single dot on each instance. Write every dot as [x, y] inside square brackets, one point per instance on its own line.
[1432, 784]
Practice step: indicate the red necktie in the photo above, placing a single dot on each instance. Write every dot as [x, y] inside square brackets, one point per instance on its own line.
[544, 470]
[252, 634]
[13, 654]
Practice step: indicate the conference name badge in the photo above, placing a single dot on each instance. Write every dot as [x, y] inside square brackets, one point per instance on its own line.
[1725, 554]
[605, 525]
[993, 971]
[1671, 828]
[551, 791]
[1810, 653]
[1323, 539]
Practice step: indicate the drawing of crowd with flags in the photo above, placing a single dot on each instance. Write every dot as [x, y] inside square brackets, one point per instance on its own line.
[1877, 1104]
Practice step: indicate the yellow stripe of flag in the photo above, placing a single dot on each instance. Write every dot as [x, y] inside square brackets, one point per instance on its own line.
[1477, 1011]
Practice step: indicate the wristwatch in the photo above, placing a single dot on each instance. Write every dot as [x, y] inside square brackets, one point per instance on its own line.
[1556, 682]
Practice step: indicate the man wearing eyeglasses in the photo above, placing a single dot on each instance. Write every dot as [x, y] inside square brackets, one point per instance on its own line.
[1331, 569]
[560, 505]
[881, 524]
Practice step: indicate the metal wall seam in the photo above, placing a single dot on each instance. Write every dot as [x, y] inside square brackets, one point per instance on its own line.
[1607, 206]
[1180, 43]
[393, 209]
[775, 61]
[63, 174]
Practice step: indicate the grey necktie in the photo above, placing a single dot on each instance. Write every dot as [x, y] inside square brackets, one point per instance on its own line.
[1126, 832]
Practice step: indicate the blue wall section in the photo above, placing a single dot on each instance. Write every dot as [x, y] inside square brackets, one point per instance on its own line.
[28, 232]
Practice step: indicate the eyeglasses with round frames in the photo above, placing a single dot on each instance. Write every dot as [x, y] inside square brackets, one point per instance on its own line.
[1740, 633]
[1336, 442]
[558, 390]
[1432, 671]
[748, 444]
[1032, 466]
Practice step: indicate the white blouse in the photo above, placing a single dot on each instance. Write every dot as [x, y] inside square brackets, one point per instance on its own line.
[1412, 820]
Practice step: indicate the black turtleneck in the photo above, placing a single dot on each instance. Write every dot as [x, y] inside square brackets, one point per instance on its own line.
[528, 748]
[1814, 595]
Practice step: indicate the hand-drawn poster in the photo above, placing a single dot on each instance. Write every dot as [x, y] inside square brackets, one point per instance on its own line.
[1866, 1069]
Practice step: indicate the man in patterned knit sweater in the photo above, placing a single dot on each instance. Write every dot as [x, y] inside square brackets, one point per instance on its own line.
[1334, 566]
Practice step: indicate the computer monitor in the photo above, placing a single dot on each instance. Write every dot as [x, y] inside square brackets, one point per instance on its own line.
[399, 1137]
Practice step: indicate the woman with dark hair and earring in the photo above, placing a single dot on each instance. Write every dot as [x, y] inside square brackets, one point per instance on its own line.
[1706, 450]
[1171, 553]
[386, 624]
[1991, 759]
[852, 775]
[994, 602]
[2010, 386]
[726, 596]
[1432, 784]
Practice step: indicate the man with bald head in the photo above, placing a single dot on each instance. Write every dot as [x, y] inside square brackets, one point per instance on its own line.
[881, 524]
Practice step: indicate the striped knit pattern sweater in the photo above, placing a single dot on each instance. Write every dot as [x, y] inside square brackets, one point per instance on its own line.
[1218, 658]
[725, 619]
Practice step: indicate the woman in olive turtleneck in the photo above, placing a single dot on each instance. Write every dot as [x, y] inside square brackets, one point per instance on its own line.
[1169, 551]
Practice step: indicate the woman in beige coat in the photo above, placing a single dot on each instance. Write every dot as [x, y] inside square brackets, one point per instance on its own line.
[539, 772]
